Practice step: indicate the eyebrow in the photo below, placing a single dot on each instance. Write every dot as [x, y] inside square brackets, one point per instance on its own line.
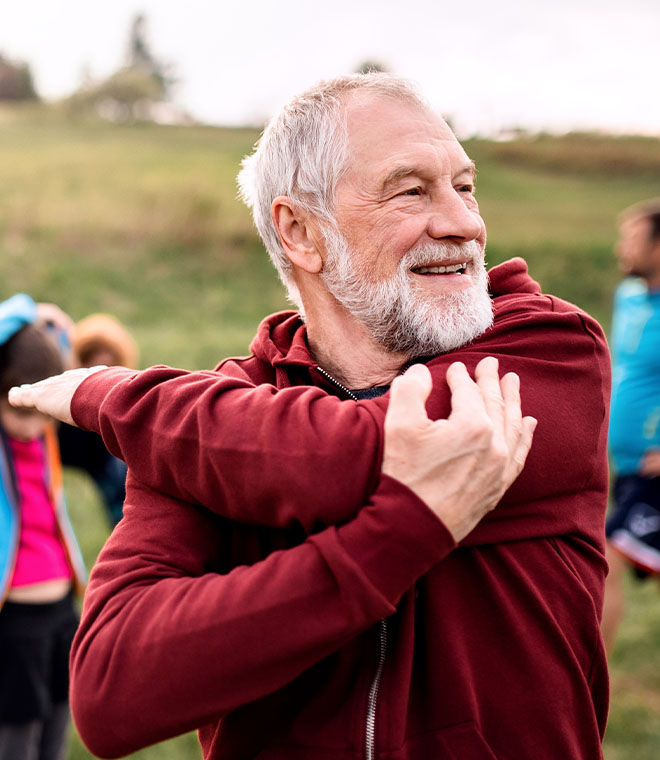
[401, 172]
[470, 168]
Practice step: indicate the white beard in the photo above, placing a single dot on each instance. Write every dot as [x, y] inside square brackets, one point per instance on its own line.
[401, 316]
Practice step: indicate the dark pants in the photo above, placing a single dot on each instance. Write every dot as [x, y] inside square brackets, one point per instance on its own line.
[38, 739]
[633, 527]
[35, 640]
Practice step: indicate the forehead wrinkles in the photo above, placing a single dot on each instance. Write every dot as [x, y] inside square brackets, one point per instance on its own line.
[395, 151]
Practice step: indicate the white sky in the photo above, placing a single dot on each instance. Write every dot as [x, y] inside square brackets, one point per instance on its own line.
[487, 64]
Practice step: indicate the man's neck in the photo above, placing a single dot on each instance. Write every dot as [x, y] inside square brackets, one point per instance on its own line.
[345, 350]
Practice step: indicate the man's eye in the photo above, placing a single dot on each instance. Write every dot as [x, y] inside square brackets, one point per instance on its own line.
[412, 191]
[466, 188]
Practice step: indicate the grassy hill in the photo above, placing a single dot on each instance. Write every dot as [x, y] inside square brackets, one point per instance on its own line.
[143, 222]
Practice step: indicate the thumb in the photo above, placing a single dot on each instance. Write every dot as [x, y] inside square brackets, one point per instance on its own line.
[408, 395]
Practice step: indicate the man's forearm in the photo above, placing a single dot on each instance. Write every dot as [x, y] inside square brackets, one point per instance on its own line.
[252, 453]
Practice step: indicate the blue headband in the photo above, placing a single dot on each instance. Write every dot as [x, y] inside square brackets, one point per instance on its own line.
[16, 312]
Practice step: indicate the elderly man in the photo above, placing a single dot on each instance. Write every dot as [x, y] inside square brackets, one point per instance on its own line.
[273, 582]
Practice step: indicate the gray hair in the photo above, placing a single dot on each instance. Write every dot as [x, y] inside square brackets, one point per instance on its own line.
[303, 153]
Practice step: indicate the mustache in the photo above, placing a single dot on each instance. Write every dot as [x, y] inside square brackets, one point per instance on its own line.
[469, 251]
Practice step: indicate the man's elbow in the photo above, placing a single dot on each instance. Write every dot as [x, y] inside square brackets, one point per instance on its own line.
[101, 714]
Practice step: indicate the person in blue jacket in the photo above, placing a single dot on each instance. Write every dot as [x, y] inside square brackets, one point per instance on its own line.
[633, 528]
[40, 562]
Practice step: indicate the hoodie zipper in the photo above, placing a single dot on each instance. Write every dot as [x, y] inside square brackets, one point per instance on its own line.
[372, 701]
[374, 689]
[336, 383]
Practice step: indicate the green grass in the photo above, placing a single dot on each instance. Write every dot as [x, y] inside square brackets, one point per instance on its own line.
[143, 222]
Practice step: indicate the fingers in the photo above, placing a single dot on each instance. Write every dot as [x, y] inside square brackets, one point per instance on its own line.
[524, 443]
[53, 395]
[408, 396]
[22, 396]
[496, 400]
[512, 412]
[488, 380]
[466, 398]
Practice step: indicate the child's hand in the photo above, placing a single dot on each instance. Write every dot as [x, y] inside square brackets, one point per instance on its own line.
[53, 395]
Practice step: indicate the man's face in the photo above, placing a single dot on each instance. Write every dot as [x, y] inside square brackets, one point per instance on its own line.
[637, 253]
[408, 259]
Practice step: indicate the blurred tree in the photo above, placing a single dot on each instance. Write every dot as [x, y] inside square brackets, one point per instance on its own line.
[140, 57]
[133, 91]
[16, 81]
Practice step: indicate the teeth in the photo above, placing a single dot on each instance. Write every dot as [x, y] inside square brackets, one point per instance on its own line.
[441, 270]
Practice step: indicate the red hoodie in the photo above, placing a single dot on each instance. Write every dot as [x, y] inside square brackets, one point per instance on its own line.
[258, 617]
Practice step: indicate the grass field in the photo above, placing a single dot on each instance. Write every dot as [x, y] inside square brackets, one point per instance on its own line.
[143, 222]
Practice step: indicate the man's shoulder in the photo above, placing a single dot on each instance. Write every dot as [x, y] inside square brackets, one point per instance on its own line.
[516, 296]
[512, 277]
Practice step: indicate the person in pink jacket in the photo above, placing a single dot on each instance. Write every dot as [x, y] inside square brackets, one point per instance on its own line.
[297, 583]
[40, 561]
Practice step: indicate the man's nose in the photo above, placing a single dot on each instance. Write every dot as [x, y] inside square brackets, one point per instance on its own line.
[451, 218]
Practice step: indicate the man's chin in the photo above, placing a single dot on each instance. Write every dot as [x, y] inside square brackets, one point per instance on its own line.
[436, 327]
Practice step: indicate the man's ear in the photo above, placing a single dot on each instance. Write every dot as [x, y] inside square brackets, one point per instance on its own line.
[299, 235]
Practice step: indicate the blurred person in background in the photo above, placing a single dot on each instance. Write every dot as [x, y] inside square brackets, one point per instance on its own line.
[40, 563]
[633, 528]
[98, 339]
[297, 578]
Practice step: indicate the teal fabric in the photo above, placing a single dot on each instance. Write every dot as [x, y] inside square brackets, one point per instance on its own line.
[16, 312]
[635, 345]
[8, 520]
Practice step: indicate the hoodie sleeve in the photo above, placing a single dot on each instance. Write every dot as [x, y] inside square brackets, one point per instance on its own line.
[249, 452]
[150, 659]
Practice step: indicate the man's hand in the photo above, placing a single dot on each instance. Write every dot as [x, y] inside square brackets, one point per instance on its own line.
[460, 466]
[53, 395]
[650, 465]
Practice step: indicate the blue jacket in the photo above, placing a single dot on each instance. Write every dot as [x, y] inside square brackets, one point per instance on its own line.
[635, 412]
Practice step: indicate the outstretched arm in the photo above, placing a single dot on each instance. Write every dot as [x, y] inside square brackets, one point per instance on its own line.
[204, 455]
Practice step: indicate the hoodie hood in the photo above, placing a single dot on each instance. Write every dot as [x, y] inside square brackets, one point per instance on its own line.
[282, 339]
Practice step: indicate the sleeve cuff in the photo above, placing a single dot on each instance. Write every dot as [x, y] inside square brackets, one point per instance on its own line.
[92, 392]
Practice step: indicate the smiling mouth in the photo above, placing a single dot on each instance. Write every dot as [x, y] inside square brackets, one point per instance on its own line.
[449, 269]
